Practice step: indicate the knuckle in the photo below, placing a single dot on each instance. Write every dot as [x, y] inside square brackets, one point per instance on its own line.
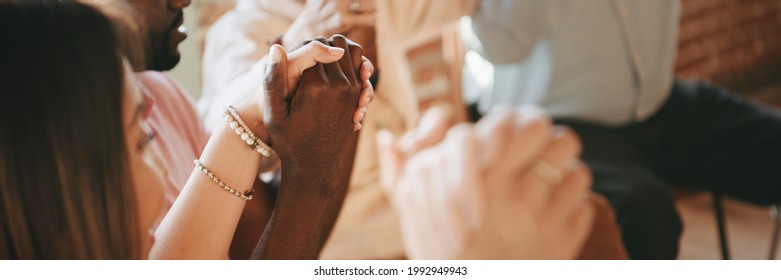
[461, 133]
[533, 117]
[500, 119]
[321, 39]
[502, 111]
[356, 52]
[319, 88]
[338, 38]
[271, 82]
[585, 172]
[343, 86]
[577, 182]
[356, 87]
[304, 44]
[352, 43]
[569, 140]
[533, 112]
[536, 126]
[577, 144]
[355, 48]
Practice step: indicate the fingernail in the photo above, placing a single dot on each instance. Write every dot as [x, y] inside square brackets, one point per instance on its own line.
[363, 110]
[335, 51]
[369, 67]
[275, 55]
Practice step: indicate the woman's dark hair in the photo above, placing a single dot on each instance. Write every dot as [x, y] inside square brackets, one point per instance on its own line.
[65, 185]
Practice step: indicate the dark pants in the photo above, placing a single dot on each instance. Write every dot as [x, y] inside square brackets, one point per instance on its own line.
[705, 137]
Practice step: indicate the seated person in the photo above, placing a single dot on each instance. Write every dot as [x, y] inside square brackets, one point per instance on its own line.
[605, 69]
[80, 182]
[171, 114]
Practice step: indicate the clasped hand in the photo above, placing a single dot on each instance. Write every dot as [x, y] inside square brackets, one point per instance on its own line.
[310, 113]
[509, 187]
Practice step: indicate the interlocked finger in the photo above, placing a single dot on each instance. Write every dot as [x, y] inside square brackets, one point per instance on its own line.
[562, 151]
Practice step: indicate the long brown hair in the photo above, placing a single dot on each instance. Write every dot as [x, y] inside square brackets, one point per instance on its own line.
[65, 184]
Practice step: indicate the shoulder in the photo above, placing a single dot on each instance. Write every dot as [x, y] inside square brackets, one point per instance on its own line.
[245, 20]
[158, 81]
[162, 87]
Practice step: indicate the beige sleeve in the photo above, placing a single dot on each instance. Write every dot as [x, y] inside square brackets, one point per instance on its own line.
[233, 64]
[404, 18]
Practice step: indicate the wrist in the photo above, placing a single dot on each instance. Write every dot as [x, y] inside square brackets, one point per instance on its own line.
[230, 159]
[310, 198]
[253, 117]
[311, 186]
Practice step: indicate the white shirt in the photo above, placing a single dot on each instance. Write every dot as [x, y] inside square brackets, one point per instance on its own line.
[604, 61]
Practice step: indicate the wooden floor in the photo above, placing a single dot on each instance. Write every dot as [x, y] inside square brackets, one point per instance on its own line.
[749, 229]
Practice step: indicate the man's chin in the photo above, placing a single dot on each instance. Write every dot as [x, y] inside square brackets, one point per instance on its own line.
[165, 63]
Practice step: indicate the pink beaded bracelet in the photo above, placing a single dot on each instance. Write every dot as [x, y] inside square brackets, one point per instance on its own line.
[233, 119]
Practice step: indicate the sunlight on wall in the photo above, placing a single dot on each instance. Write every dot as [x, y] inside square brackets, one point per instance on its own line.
[188, 71]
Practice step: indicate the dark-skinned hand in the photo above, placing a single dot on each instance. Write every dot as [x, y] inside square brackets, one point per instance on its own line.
[310, 124]
[311, 127]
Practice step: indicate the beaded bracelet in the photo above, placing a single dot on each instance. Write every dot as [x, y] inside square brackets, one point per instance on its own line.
[245, 196]
[233, 119]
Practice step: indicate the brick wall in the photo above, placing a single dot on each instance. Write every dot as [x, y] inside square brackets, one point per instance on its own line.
[735, 42]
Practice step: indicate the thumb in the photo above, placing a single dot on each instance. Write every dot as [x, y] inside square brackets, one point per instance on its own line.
[276, 83]
[390, 161]
[309, 55]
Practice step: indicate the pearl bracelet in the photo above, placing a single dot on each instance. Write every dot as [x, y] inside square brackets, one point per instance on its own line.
[233, 119]
[245, 196]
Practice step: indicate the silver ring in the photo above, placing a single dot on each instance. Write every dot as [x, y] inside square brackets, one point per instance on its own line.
[355, 6]
[547, 172]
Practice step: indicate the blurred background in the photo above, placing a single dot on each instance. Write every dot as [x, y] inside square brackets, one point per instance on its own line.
[734, 42]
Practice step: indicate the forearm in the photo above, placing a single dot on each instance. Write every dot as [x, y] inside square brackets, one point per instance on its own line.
[253, 221]
[203, 219]
[315, 139]
[306, 210]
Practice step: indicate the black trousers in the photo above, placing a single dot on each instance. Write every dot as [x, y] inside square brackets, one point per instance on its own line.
[704, 137]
